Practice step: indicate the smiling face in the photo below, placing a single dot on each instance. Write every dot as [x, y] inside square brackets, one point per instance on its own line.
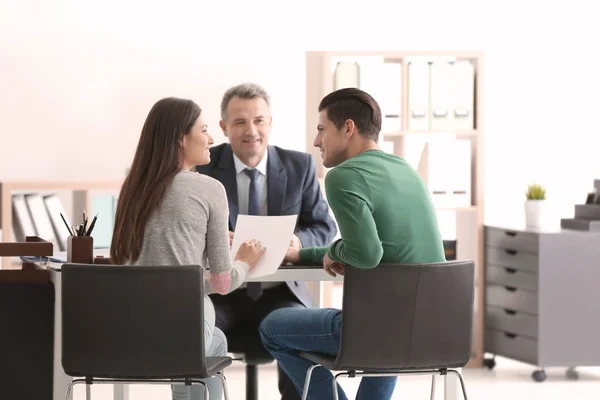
[332, 142]
[248, 126]
[196, 144]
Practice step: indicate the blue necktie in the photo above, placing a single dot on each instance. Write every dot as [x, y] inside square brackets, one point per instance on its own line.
[253, 195]
[254, 289]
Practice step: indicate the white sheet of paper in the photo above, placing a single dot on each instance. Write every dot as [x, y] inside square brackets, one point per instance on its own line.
[273, 232]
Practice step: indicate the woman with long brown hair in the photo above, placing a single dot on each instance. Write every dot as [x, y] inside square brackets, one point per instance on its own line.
[168, 214]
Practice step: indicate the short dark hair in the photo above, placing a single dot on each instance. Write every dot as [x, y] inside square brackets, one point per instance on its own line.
[354, 104]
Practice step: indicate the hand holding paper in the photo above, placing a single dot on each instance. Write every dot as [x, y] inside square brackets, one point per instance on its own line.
[273, 232]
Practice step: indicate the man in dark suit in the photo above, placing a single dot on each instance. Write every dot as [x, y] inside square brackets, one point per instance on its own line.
[265, 180]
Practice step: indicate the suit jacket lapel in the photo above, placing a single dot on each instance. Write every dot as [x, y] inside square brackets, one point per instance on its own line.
[276, 183]
[227, 176]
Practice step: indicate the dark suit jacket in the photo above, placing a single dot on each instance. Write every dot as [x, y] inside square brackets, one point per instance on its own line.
[292, 189]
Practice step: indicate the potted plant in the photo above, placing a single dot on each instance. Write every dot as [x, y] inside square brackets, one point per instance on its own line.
[534, 205]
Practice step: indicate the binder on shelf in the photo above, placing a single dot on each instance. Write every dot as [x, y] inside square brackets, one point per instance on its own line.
[383, 81]
[347, 74]
[22, 223]
[41, 219]
[464, 95]
[441, 96]
[54, 208]
[445, 166]
[391, 97]
[418, 96]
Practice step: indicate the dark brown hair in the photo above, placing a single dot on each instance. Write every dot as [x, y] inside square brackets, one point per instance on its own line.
[354, 104]
[155, 164]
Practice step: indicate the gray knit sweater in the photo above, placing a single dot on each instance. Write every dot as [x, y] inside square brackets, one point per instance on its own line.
[191, 228]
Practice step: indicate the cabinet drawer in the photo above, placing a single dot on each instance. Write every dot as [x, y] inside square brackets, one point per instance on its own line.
[512, 346]
[511, 299]
[507, 239]
[508, 276]
[506, 320]
[512, 258]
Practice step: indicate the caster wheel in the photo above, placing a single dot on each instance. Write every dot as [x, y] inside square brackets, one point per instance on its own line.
[539, 376]
[572, 374]
[489, 363]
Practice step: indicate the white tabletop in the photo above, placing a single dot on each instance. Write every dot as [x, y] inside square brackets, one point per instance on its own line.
[283, 274]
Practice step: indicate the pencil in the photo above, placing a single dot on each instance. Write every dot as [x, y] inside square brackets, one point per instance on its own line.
[67, 225]
[89, 232]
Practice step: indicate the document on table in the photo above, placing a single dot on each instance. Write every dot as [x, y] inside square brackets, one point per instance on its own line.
[273, 232]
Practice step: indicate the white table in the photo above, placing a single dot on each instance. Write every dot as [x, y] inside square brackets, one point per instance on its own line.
[121, 392]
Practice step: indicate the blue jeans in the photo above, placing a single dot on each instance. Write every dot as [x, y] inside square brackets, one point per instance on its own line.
[286, 332]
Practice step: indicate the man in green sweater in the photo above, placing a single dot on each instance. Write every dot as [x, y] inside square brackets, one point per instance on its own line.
[385, 215]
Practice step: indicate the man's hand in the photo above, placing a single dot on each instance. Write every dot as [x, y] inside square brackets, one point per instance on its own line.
[292, 255]
[333, 268]
[295, 242]
[230, 238]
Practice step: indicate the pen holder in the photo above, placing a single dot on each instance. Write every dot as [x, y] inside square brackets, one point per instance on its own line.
[80, 249]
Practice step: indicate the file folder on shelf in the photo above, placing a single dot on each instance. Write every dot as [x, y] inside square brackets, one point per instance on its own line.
[445, 166]
[41, 219]
[22, 223]
[441, 96]
[464, 95]
[347, 74]
[418, 96]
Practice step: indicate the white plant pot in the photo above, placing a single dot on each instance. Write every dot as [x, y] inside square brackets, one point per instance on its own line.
[534, 213]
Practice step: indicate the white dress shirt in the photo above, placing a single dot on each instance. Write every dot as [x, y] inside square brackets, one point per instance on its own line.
[243, 190]
[243, 185]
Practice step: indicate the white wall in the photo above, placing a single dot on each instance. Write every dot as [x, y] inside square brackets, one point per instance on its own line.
[78, 77]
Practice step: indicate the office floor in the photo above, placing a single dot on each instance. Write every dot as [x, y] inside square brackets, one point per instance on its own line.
[510, 380]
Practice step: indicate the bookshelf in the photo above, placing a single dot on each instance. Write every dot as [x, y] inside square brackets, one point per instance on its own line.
[414, 120]
[81, 191]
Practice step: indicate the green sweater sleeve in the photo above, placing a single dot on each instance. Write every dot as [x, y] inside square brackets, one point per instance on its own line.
[349, 196]
[312, 255]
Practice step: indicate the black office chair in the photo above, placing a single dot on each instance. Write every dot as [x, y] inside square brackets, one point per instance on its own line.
[135, 324]
[417, 320]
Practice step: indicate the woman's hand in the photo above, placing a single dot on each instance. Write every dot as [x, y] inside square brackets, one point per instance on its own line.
[250, 252]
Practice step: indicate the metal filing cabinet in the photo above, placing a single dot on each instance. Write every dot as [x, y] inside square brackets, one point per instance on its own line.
[542, 298]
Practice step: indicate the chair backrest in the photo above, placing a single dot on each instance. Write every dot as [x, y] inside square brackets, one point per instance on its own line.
[399, 316]
[132, 322]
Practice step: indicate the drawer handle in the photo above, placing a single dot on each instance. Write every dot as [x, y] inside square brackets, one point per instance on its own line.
[510, 335]
[510, 270]
[511, 252]
[510, 233]
[510, 288]
[510, 312]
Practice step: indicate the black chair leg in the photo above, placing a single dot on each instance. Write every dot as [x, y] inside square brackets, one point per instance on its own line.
[251, 382]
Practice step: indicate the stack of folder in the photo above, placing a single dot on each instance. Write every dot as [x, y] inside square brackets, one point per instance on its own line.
[587, 216]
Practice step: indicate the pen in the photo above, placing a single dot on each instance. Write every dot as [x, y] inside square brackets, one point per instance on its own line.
[89, 232]
[67, 225]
